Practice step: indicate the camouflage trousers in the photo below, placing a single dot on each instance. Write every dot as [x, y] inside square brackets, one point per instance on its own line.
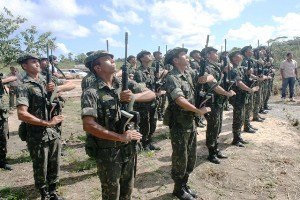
[248, 109]
[12, 95]
[184, 152]
[269, 84]
[3, 139]
[117, 178]
[161, 105]
[237, 118]
[46, 161]
[214, 126]
[257, 100]
[148, 120]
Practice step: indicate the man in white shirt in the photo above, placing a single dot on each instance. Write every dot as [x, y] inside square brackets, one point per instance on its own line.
[288, 71]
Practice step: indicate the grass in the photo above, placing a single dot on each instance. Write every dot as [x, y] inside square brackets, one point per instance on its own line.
[23, 158]
[11, 194]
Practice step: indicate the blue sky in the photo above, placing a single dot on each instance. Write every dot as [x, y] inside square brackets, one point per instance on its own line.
[81, 26]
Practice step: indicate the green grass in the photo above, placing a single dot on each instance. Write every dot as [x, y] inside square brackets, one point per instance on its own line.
[12, 194]
[82, 138]
[23, 158]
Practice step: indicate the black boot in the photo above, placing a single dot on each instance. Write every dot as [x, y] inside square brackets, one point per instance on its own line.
[221, 155]
[52, 193]
[187, 188]
[152, 147]
[146, 146]
[212, 157]
[253, 127]
[248, 129]
[180, 192]
[257, 119]
[266, 107]
[5, 166]
[44, 193]
[262, 111]
[237, 142]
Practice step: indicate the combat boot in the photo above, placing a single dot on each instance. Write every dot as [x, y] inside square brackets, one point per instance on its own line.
[248, 129]
[44, 194]
[146, 146]
[52, 193]
[212, 157]
[253, 127]
[257, 119]
[262, 111]
[180, 192]
[237, 142]
[5, 166]
[267, 107]
[187, 188]
[221, 155]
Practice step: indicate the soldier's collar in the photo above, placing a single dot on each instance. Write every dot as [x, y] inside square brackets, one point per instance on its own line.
[102, 84]
[28, 78]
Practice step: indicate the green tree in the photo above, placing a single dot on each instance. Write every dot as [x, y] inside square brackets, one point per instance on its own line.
[36, 43]
[70, 56]
[10, 46]
[79, 59]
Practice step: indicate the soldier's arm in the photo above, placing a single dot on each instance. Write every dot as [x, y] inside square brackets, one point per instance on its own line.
[25, 116]
[244, 87]
[9, 79]
[186, 105]
[66, 86]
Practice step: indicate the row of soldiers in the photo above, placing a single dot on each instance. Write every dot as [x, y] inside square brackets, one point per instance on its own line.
[181, 80]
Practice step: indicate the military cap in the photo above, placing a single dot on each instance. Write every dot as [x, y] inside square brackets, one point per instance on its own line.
[207, 50]
[52, 57]
[25, 57]
[234, 53]
[95, 55]
[156, 52]
[172, 53]
[194, 51]
[245, 48]
[130, 57]
[89, 53]
[141, 54]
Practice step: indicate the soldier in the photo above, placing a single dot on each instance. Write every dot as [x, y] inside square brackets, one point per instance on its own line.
[145, 74]
[215, 117]
[42, 131]
[4, 132]
[13, 86]
[248, 63]
[160, 76]
[195, 56]
[270, 72]
[132, 67]
[179, 117]
[113, 149]
[237, 74]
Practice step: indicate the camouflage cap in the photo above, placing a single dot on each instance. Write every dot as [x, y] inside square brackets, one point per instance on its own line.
[130, 57]
[172, 53]
[43, 58]
[207, 50]
[141, 54]
[89, 53]
[233, 54]
[25, 57]
[193, 52]
[156, 52]
[245, 48]
[94, 56]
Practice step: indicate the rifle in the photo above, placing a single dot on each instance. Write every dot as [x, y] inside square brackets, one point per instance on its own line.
[129, 119]
[107, 46]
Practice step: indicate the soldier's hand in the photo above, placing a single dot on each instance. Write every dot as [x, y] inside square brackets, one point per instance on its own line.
[130, 135]
[56, 120]
[255, 89]
[231, 93]
[202, 79]
[203, 110]
[161, 92]
[126, 96]
[50, 87]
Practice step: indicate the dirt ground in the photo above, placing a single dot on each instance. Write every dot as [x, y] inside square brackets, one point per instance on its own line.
[268, 168]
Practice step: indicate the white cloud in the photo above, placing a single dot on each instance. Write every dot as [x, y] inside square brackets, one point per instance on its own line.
[128, 16]
[288, 25]
[133, 4]
[177, 22]
[250, 33]
[106, 28]
[229, 9]
[112, 42]
[61, 13]
[62, 47]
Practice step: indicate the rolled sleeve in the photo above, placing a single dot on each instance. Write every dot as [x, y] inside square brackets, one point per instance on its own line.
[173, 88]
[89, 103]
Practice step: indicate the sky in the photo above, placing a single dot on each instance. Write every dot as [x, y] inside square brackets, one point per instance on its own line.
[85, 25]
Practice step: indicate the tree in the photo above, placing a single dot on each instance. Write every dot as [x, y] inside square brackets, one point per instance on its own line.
[79, 59]
[10, 46]
[35, 43]
[70, 56]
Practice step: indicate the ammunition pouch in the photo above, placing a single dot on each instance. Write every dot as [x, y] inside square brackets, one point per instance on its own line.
[23, 131]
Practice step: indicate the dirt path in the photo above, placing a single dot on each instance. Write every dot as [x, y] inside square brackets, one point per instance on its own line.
[268, 168]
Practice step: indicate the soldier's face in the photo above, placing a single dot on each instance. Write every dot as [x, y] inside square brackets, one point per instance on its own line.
[158, 56]
[197, 56]
[237, 59]
[43, 64]
[146, 58]
[107, 64]
[132, 61]
[249, 53]
[32, 66]
[182, 60]
[213, 56]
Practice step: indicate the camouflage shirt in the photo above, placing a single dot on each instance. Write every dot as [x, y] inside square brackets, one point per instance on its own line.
[103, 103]
[145, 75]
[32, 93]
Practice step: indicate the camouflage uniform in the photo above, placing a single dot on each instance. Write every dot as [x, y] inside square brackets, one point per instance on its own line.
[148, 112]
[182, 127]
[258, 96]
[215, 117]
[3, 130]
[43, 143]
[238, 102]
[115, 160]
